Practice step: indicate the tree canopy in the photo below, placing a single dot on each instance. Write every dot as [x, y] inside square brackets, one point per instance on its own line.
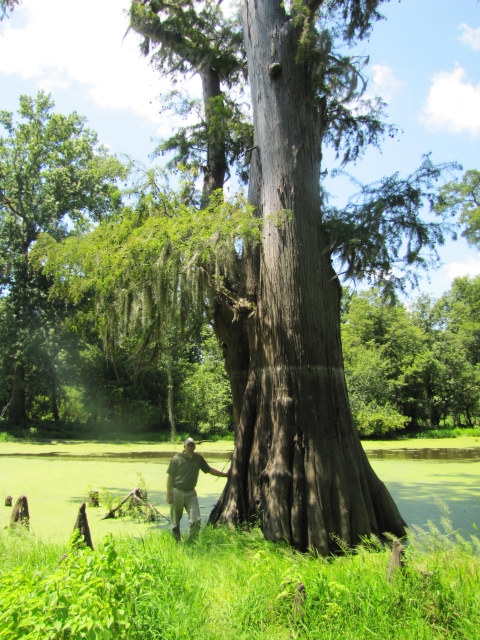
[463, 197]
[54, 178]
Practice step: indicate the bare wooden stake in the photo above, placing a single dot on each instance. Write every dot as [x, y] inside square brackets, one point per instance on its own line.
[81, 525]
[20, 514]
[397, 560]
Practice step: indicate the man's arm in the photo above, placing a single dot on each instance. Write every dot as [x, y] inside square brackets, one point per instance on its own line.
[220, 474]
[169, 489]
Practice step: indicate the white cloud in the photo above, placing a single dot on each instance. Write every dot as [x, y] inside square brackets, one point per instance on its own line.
[469, 268]
[453, 103]
[470, 37]
[57, 43]
[385, 81]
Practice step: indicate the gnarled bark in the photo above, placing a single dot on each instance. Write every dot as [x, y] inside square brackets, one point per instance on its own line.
[298, 464]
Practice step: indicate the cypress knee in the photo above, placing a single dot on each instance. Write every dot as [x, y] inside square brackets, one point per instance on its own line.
[81, 525]
[20, 514]
[397, 560]
[8, 501]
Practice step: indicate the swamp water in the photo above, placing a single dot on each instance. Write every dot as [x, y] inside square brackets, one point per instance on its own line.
[56, 482]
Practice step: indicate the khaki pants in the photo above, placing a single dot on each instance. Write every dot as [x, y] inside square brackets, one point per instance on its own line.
[189, 501]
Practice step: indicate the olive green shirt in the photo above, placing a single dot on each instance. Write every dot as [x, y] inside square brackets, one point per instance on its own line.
[185, 470]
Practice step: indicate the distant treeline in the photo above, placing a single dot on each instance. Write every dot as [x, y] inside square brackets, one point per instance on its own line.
[408, 366]
[413, 365]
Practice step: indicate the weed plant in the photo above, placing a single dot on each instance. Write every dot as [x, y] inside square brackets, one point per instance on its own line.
[236, 585]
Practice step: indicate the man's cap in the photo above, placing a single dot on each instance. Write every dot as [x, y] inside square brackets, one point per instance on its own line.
[189, 441]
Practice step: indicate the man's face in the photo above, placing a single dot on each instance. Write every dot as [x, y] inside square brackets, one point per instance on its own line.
[189, 448]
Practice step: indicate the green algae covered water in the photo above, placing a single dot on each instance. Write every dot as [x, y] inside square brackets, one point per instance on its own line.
[56, 477]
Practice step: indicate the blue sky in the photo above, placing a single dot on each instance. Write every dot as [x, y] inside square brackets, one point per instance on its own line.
[424, 61]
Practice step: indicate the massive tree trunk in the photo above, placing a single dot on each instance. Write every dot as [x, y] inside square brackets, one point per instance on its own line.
[298, 464]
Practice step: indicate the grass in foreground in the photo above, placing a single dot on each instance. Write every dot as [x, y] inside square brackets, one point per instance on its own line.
[235, 585]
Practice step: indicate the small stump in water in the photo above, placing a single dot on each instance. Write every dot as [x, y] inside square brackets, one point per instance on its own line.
[8, 501]
[93, 499]
[20, 514]
[81, 525]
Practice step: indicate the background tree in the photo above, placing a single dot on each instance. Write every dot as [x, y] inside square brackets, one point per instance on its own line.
[416, 367]
[459, 311]
[463, 197]
[55, 178]
[186, 37]
[144, 280]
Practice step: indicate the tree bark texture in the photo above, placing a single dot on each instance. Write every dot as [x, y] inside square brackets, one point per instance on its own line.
[298, 464]
[216, 166]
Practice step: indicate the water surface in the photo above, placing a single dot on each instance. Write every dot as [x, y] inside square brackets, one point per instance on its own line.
[441, 454]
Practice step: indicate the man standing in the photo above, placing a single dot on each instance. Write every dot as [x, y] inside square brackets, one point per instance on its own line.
[183, 473]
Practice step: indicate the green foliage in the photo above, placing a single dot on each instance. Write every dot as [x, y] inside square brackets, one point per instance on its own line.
[144, 281]
[84, 597]
[163, 244]
[438, 434]
[380, 235]
[185, 36]
[51, 166]
[379, 420]
[54, 178]
[156, 588]
[416, 367]
[226, 121]
[204, 396]
[463, 198]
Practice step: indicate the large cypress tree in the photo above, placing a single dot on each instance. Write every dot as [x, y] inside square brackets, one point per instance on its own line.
[298, 465]
[298, 461]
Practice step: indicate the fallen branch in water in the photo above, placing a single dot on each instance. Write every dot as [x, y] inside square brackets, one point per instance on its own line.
[136, 503]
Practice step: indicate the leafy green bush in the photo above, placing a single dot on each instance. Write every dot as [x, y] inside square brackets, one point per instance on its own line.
[85, 597]
[378, 420]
